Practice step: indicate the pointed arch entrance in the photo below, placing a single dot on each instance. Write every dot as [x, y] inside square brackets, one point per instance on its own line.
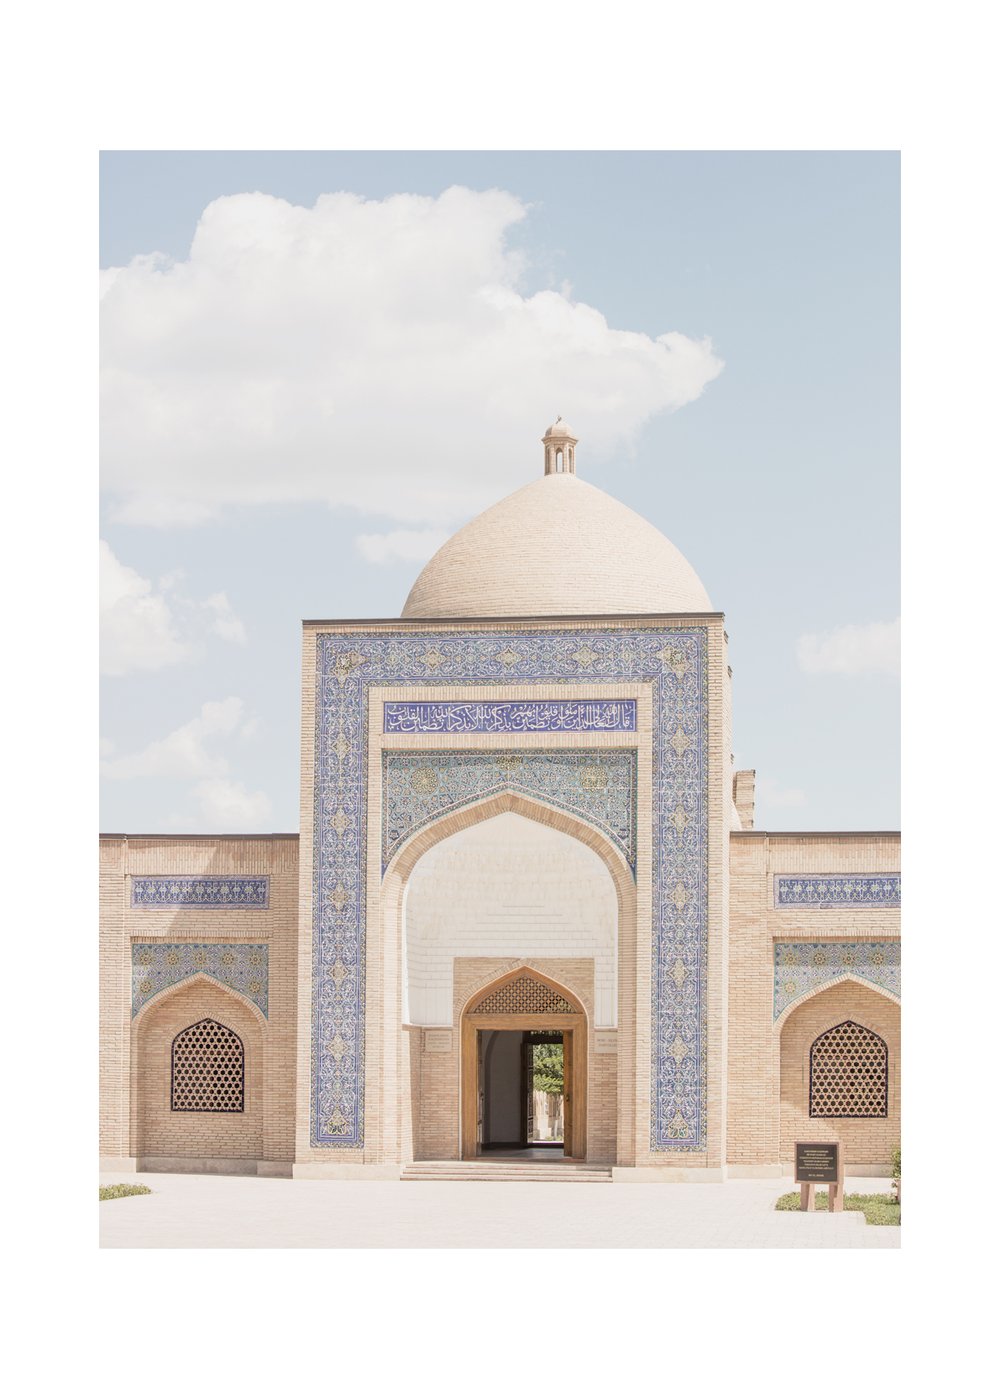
[525, 1001]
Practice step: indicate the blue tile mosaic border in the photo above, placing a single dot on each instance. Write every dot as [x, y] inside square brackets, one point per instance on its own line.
[673, 660]
[836, 891]
[803, 967]
[188, 891]
[511, 717]
[597, 784]
[242, 966]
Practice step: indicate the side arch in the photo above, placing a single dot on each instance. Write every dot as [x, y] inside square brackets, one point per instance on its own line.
[158, 1133]
[814, 991]
[867, 1141]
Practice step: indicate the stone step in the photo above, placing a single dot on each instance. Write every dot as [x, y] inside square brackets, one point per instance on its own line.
[576, 1173]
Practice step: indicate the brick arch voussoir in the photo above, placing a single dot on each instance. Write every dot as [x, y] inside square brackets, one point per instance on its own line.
[404, 861]
[815, 991]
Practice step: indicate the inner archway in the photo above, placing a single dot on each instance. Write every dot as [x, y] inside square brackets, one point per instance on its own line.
[503, 884]
[507, 887]
[523, 1042]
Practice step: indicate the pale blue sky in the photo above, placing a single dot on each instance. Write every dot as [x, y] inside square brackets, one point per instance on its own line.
[779, 482]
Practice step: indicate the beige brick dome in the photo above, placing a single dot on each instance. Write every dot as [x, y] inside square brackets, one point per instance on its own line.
[556, 548]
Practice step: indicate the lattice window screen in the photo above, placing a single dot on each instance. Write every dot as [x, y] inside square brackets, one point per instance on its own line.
[524, 996]
[206, 1069]
[849, 1073]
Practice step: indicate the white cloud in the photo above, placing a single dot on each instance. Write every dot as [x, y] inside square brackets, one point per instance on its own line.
[228, 806]
[379, 355]
[193, 753]
[851, 650]
[137, 629]
[225, 622]
[187, 752]
[143, 628]
[408, 545]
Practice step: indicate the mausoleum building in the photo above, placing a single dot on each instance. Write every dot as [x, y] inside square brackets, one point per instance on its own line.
[521, 835]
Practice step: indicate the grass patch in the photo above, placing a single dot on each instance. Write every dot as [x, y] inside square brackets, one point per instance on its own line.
[118, 1192]
[877, 1209]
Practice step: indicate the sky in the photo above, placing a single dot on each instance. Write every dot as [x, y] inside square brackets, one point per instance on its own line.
[316, 366]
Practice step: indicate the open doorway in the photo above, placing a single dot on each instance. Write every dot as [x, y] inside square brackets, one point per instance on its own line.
[522, 1092]
[538, 1033]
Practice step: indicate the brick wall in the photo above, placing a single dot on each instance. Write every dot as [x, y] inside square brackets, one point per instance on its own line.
[132, 1089]
[759, 1066]
[864, 1140]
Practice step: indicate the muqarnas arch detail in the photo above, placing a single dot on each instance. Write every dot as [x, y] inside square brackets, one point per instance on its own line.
[596, 784]
[673, 661]
[241, 966]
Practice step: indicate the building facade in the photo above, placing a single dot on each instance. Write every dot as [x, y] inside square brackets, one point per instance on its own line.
[520, 825]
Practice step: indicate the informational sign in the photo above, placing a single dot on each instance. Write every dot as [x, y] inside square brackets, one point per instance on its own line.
[817, 1163]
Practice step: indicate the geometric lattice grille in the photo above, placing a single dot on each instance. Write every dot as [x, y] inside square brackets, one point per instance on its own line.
[206, 1069]
[524, 996]
[849, 1073]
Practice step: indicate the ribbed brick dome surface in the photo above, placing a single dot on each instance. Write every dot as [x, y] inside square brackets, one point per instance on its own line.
[557, 547]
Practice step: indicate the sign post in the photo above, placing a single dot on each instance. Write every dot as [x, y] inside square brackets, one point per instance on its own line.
[819, 1163]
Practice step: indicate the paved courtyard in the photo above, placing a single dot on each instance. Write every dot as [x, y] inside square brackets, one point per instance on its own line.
[187, 1211]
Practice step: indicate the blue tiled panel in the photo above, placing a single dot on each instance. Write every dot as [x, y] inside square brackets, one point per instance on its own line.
[836, 891]
[802, 967]
[596, 784]
[241, 966]
[184, 891]
[511, 717]
[673, 661]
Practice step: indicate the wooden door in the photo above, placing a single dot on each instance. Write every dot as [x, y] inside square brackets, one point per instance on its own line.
[480, 1094]
[569, 1146]
[527, 1090]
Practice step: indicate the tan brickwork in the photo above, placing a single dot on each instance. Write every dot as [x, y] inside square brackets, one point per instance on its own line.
[756, 1111]
[162, 1132]
[132, 1096]
[865, 1141]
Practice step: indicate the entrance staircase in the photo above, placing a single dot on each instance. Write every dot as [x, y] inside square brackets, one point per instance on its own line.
[575, 1172]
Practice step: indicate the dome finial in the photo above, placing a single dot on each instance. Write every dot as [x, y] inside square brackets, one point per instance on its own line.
[560, 449]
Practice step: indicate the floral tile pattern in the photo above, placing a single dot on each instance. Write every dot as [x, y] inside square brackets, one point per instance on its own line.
[803, 967]
[241, 966]
[836, 891]
[184, 891]
[596, 784]
[673, 661]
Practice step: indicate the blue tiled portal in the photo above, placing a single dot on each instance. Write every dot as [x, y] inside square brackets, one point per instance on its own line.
[673, 661]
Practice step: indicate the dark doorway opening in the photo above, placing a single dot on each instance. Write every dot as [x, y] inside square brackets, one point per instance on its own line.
[522, 1094]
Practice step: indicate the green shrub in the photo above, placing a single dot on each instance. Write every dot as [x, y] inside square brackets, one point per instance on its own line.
[877, 1209]
[897, 1172]
[118, 1192]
